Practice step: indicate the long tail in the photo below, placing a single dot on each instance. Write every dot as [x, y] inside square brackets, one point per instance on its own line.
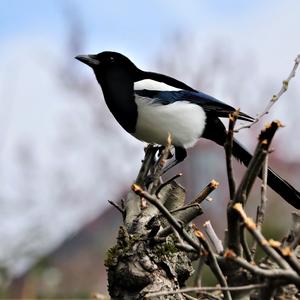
[278, 184]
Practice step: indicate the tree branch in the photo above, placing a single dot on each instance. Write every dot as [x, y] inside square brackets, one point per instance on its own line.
[178, 227]
[249, 287]
[275, 97]
[246, 184]
[228, 151]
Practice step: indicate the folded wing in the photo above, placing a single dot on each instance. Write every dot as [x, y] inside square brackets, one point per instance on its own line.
[210, 104]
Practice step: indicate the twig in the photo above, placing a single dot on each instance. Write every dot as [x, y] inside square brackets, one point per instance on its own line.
[255, 165]
[208, 296]
[261, 209]
[189, 297]
[244, 244]
[200, 197]
[246, 184]
[213, 263]
[213, 237]
[263, 203]
[166, 183]
[265, 245]
[147, 162]
[198, 272]
[180, 240]
[185, 215]
[186, 247]
[275, 97]
[185, 207]
[209, 289]
[296, 241]
[189, 212]
[154, 201]
[293, 238]
[123, 204]
[289, 276]
[228, 151]
[287, 254]
[205, 192]
[117, 206]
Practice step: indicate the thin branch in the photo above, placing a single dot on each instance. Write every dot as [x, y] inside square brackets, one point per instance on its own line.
[189, 212]
[199, 271]
[275, 98]
[209, 289]
[198, 199]
[154, 201]
[183, 208]
[244, 244]
[184, 215]
[293, 238]
[287, 254]
[296, 241]
[246, 184]
[263, 201]
[255, 165]
[186, 247]
[288, 276]
[208, 296]
[213, 263]
[147, 162]
[205, 192]
[158, 169]
[213, 237]
[189, 297]
[180, 240]
[261, 209]
[264, 244]
[166, 183]
[228, 151]
[117, 206]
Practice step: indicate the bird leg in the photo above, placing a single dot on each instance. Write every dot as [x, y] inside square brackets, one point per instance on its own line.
[180, 155]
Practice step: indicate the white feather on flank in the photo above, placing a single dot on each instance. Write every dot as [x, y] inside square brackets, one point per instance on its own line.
[183, 120]
[149, 84]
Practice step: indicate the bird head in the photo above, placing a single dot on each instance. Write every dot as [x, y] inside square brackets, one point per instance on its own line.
[107, 61]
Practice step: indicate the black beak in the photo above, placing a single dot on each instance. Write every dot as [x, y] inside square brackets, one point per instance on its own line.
[90, 60]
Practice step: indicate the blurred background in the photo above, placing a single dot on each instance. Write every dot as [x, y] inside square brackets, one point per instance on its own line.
[62, 155]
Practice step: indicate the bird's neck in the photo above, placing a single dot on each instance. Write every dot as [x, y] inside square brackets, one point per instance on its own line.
[119, 96]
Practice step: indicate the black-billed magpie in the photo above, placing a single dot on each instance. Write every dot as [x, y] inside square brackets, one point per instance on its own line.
[150, 105]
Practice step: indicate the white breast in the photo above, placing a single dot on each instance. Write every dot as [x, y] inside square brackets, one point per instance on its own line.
[183, 120]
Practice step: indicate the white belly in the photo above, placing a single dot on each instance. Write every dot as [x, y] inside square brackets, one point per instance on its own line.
[183, 120]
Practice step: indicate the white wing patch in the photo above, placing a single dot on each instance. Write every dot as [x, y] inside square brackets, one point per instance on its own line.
[149, 84]
[183, 120]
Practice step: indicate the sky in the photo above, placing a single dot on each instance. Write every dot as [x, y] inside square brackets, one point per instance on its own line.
[33, 37]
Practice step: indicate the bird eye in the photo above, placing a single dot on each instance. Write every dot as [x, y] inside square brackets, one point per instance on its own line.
[111, 59]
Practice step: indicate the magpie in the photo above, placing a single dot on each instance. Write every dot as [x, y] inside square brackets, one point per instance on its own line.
[150, 106]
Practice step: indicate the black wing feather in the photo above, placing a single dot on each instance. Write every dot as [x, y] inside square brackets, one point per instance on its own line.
[208, 103]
